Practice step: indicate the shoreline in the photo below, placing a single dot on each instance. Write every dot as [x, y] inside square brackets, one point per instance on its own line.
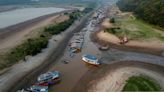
[20, 26]
[49, 60]
[9, 36]
[153, 45]
[22, 68]
[95, 78]
[81, 76]
[153, 51]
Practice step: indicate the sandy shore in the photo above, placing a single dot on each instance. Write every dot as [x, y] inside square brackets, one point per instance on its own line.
[14, 35]
[154, 45]
[106, 23]
[113, 77]
[138, 46]
[146, 44]
[24, 74]
[76, 75]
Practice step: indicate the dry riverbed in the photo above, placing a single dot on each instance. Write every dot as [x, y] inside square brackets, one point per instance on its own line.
[116, 67]
[113, 77]
[141, 35]
[24, 74]
[15, 35]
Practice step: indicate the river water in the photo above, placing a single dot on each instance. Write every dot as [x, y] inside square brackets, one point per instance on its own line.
[20, 15]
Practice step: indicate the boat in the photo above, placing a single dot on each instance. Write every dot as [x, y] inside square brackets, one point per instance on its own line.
[23, 90]
[49, 78]
[103, 48]
[90, 59]
[43, 82]
[35, 88]
[38, 88]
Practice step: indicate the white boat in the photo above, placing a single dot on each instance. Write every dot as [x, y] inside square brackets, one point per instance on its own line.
[35, 88]
[49, 77]
[104, 47]
[90, 59]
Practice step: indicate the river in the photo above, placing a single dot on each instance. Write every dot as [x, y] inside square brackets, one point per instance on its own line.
[9, 18]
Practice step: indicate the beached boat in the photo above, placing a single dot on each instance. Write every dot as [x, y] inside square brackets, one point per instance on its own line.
[43, 81]
[103, 48]
[23, 90]
[49, 78]
[35, 88]
[90, 59]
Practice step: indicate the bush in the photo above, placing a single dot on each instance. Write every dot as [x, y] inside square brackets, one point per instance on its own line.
[30, 47]
[141, 83]
[35, 45]
[112, 20]
[56, 29]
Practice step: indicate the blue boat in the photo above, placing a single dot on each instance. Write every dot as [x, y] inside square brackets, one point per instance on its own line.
[43, 81]
[90, 59]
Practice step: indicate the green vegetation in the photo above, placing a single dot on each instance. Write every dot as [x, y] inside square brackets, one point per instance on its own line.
[141, 83]
[35, 45]
[151, 11]
[117, 32]
[135, 29]
[29, 47]
[58, 28]
[112, 20]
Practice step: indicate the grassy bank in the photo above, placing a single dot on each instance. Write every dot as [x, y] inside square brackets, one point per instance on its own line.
[141, 83]
[35, 45]
[151, 11]
[135, 29]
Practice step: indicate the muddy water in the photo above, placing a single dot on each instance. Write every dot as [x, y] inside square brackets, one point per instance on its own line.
[20, 15]
[76, 68]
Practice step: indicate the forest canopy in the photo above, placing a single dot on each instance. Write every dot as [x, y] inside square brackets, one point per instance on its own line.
[151, 11]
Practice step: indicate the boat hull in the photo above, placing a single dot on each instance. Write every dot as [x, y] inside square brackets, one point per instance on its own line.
[90, 62]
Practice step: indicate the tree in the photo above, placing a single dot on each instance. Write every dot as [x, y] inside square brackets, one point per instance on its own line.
[112, 20]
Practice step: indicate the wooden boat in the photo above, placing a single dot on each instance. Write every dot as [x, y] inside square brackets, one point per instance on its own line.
[103, 48]
[38, 88]
[90, 59]
[35, 88]
[43, 82]
[49, 78]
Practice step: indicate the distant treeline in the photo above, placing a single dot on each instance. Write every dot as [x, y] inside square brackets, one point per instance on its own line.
[151, 11]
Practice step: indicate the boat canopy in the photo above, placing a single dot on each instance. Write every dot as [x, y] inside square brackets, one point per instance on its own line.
[90, 57]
